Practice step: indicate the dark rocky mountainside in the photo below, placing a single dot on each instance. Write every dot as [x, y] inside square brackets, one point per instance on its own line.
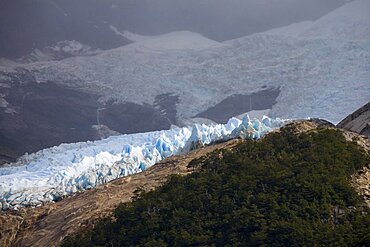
[358, 122]
[42, 115]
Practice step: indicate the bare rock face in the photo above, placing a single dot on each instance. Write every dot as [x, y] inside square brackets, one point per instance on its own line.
[36, 115]
[361, 182]
[357, 125]
[358, 122]
[10, 226]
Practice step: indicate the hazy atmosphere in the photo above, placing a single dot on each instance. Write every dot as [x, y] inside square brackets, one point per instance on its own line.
[184, 123]
[25, 25]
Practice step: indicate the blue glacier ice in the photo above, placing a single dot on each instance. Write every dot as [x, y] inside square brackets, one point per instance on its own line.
[59, 171]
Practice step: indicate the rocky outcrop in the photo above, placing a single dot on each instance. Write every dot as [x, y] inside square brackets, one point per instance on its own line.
[361, 181]
[358, 122]
[357, 126]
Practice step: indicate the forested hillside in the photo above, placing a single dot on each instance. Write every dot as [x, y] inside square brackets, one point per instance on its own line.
[287, 189]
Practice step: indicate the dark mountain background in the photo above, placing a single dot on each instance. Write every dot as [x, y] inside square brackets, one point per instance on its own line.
[29, 24]
[51, 113]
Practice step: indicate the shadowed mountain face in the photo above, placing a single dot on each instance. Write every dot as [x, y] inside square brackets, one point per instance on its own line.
[358, 122]
[239, 104]
[26, 25]
[46, 114]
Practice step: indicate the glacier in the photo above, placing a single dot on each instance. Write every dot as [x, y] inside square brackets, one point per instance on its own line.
[53, 173]
[322, 68]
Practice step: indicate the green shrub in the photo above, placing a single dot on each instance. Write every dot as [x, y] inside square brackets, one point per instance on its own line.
[285, 190]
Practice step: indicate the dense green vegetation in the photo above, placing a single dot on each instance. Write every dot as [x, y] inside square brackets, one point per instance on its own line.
[285, 190]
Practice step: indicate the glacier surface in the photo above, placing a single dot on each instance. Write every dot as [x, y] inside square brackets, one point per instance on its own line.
[55, 172]
[321, 67]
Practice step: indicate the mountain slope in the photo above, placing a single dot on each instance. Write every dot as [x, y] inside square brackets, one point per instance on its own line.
[336, 25]
[358, 122]
[314, 73]
[349, 22]
[27, 25]
[50, 224]
[183, 40]
[319, 75]
[285, 192]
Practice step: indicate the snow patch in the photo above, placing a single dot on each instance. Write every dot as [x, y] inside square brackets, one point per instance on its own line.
[134, 37]
[320, 74]
[6, 64]
[59, 51]
[3, 102]
[295, 29]
[181, 40]
[349, 22]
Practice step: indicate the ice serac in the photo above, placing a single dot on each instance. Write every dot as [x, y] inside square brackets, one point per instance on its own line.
[59, 171]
